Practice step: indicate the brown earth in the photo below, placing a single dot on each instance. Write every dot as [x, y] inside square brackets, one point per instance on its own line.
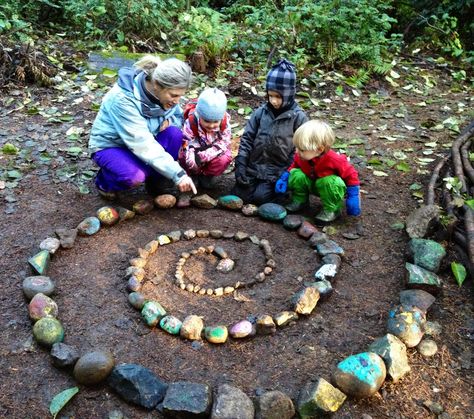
[91, 289]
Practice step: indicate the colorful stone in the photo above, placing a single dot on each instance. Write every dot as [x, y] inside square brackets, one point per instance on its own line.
[89, 226]
[125, 214]
[171, 325]
[42, 306]
[33, 285]
[108, 216]
[394, 353]
[305, 300]
[40, 261]
[231, 202]
[191, 327]
[272, 212]
[48, 331]
[152, 313]
[136, 300]
[163, 239]
[319, 399]
[203, 201]
[285, 317]
[225, 265]
[143, 207]
[216, 334]
[165, 201]
[242, 329]
[51, 244]
[360, 375]
[419, 278]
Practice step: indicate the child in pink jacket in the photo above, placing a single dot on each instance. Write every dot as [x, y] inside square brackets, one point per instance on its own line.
[206, 152]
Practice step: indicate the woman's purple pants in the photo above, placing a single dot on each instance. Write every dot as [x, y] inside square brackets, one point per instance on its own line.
[121, 170]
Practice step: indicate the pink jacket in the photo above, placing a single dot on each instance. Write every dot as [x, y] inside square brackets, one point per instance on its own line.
[197, 151]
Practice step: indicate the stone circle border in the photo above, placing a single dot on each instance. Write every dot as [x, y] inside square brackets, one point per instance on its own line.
[131, 216]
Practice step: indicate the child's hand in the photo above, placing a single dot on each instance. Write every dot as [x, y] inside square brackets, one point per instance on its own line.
[186, 184]
[282, 184]
[241, 175]
[353, 200]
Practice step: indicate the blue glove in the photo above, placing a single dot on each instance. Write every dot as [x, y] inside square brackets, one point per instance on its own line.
[282, 184]
[353, 200]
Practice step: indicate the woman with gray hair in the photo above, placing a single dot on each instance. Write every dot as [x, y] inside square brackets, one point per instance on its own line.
[137, 135]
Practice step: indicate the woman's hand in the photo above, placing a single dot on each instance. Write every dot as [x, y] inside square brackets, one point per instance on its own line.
[164, 125]
[186, 184]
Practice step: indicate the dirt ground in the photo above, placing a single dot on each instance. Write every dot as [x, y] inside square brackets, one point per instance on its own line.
[91, 289]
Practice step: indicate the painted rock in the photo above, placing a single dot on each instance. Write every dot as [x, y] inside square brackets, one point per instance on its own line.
[216, 334]
[326, 271]
[231, 202]
[274, 405]
[175, 236]
[324, 288]
[171, 324]
[285, 317]
[317, 237]
[242, 329]
[165, 201]
[292, 221]
[427, 254]
[250, 210]
[203, 201]
[360, 375]
[163, 239]
[319, 399]
[152, 312]
[143, 207]
[407, 324]
[332, 259]
[189, 234]
[33, 285]
[125, 214]
[265, 325]
[305, 300]
[40, 261]
[89, 226]
[272, 212]
[48, 331]
[136, 300]
[307, 229]
[151, 246]
[138, 273]
[394, 353]
[419, 278]
[192, 327]
[51, 244]
[225, 265]
[108, 216]
[42, 306]
[93, 367]
[220, 252]
[184, 201]
[138, 262]
[329, 246]
[134, 284]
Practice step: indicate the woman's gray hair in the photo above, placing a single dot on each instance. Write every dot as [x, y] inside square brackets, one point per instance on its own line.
[169, 73]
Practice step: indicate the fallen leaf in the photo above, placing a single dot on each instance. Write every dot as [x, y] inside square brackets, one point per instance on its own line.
[379, 173]
[61, 399]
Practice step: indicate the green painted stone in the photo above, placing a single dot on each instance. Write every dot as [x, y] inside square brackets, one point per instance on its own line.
[216, 334]
[171, 324]
[40, 261]
[427, 254]
[108, 216]
[231, 202]
[48, 331]
[152, 313]
[319, 399]
[272, 212]
[419, 278]
[89, 226]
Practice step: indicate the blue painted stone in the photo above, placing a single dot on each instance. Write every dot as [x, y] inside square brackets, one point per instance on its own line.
[152, 313]
[231, 202]
[407, 324]
[328, 247]
[360, 375]
[89, 226]
[40, 261]
[427, 254]
[272, 212]
[171, 324]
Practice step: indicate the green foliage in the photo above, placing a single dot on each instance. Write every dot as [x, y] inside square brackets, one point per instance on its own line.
[61, 399]
[459, 272]
[202, 29]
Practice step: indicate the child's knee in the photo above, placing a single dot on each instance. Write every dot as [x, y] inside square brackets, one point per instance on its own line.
[132, 180]
[297, 176]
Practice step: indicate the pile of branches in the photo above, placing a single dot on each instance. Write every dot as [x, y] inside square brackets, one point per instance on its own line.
[22, 64]
[457, 165]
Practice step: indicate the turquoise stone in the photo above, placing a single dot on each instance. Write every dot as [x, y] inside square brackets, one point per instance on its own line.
[152, 313]
[272, 212]
[231, 202]
[216, 334]
[40, 261]
[171, 324]
[89, 226]
[427, 254]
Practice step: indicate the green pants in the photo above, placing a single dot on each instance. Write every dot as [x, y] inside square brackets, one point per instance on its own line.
[331, 189]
